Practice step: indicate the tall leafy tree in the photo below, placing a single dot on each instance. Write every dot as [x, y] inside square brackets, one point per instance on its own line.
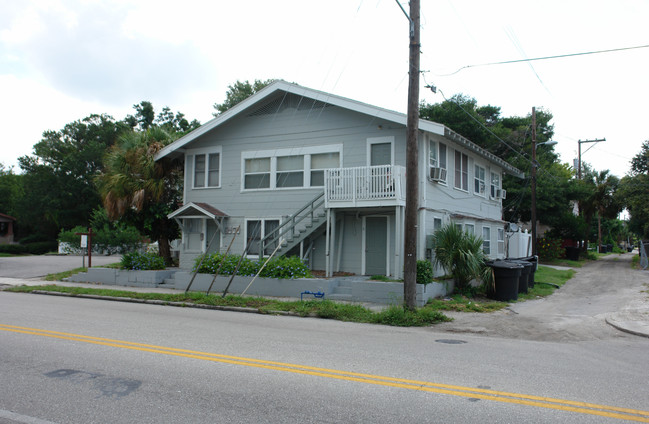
[634, 193]
[602, 201]
[238, 92]
[58, 184]
[141, 191]
[11, 190]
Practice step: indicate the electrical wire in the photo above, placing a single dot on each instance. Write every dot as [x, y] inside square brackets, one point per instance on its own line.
[507, 62]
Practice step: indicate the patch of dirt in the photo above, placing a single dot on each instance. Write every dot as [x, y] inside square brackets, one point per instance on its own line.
[575, 312]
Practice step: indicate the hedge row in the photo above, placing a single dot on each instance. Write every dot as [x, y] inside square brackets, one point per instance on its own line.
[36, 248]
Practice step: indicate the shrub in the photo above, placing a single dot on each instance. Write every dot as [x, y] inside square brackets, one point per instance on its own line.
[13, 249]
[549, 249]
[41, 247]
[424, 272]
[281, 267]
[460, 253]
[142, 261]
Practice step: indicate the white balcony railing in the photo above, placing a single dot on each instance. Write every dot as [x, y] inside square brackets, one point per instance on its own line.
[381, 185]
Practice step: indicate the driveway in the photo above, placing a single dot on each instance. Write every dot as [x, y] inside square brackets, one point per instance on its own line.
[575, 312]
[40, 266]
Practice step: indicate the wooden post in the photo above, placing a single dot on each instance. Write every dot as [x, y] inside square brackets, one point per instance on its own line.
[412, 171]
[89, 234]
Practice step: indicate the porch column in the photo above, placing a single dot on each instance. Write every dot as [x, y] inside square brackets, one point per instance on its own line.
[332, 244]
[327, 262]
[398, 244]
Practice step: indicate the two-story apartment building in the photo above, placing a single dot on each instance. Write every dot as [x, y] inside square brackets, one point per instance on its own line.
[322, 176]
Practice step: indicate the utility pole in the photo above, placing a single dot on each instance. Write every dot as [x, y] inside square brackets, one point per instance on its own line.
[534, 249]
[579, 142]
[412, 171]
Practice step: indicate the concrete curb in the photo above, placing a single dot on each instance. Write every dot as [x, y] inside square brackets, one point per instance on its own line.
[166, 303]
[637, 328]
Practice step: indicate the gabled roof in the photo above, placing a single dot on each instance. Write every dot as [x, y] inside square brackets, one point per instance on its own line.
[11, 218]
[332, 99]
[197, 209]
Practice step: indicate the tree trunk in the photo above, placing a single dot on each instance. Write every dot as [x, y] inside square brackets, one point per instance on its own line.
[599, 232]
[164, 250]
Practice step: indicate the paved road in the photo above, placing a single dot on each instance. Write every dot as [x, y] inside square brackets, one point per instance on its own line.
[40, 266]
[72, 360]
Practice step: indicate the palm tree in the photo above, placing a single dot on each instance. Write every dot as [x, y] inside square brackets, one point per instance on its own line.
[136, 187]
[602, 201]
[460, 253]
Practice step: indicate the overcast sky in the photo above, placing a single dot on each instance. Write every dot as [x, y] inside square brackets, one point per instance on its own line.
[61, 61]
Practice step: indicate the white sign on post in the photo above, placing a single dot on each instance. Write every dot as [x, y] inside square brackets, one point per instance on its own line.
[84, 241]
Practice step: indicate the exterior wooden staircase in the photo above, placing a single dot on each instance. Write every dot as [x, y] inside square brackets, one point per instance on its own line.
[296, 228]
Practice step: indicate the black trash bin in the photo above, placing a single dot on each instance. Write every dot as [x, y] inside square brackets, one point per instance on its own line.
[534, 260]
[526, 274]
[572, 253]
[506, 277]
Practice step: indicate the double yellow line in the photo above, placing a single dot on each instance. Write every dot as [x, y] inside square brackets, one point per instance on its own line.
[469, 392]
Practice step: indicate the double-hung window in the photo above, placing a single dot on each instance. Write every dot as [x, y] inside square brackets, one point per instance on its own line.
[495, 184]
[320, 162]
[437, 156]
[257, 173]
[469, 228]
[289, 168]
[461, 171]
[501, 241]
[290, 171]
[486, 240]
[207, 169]
[479, 185]
[256, 229]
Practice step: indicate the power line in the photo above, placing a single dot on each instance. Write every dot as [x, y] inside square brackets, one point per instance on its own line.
[507, 62]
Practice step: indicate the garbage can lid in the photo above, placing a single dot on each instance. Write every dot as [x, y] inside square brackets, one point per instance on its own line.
[505, 264]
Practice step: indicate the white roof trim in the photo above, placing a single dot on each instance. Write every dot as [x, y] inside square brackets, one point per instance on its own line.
[332, 99]
[194, 206]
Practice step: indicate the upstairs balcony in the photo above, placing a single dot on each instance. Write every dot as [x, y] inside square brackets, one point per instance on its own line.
[365, 186]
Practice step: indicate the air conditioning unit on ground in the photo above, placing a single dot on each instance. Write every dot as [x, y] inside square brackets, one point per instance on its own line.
[437, 174]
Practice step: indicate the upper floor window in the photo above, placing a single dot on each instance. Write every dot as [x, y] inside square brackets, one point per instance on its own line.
[461, 171]
[207, 168]
[437, 159]
[289, 168]
[479, 185]
[495, 184]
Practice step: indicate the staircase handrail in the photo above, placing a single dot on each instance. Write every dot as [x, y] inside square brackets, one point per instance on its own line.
[290, 224]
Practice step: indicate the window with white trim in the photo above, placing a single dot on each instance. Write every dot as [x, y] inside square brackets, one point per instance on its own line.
[437, 156]
[495, 184]
[479, 184]
[320, 162]
[461, 171]
[486, 240]
[501, 241]
[256, 229]
[469, 228]
[256, 173]
[437, 224]
[290, 171]
[207, 168]
[289, 168]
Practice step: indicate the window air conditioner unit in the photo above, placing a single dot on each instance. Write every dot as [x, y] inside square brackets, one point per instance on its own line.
[501, 194]
[437, 174]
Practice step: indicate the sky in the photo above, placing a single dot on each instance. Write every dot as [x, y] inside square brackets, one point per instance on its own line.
[62, 60]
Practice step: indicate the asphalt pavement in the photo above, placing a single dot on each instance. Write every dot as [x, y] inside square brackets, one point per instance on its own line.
[632, 317]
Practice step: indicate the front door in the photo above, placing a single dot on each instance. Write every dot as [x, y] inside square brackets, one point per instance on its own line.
[376, 249]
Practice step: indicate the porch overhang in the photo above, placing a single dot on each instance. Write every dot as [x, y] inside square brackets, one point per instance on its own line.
[198, 210]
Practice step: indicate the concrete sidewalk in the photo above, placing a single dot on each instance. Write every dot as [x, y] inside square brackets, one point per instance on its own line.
[633, 318]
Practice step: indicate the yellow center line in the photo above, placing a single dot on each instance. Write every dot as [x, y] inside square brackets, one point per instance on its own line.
[506, 397]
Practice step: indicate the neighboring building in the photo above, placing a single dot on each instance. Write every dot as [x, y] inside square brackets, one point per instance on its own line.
[288, 160]
[6, 229]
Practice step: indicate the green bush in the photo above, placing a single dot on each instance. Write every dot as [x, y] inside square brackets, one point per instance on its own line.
[549, 249]
[424, 272]
[116, 238]
[13, 249]
[41, 247]
[280, 267]
[460, 253]
[142, 261]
